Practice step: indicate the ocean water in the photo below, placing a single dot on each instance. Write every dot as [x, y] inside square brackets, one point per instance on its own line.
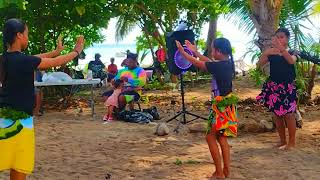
[112, 50]
[118, 52]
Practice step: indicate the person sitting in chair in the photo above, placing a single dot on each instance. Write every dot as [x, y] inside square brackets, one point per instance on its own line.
[112, 70]
[97, 67]
[134, 77]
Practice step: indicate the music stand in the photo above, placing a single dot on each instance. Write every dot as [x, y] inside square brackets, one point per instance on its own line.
[183, 65]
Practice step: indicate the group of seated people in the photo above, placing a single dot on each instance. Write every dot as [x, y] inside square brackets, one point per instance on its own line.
[127, 83]
[99, 69]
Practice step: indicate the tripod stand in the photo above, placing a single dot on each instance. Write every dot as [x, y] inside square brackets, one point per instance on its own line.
[184, 111]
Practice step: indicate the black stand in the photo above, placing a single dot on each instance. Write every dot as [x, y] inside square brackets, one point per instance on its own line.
[184, 111]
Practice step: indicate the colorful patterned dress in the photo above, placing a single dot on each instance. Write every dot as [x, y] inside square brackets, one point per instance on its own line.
[223, 118]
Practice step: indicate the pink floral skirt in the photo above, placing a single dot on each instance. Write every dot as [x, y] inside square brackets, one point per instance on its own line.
[280, 98]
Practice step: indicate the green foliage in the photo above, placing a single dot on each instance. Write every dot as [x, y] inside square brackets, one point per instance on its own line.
[257, 76]
[48, 19]
[178, 162]
[201, 44]
[19, 3]
[223, 102]
[163, 16]
[143, 43]
[156, 85]
[8, 113]
[301, 80]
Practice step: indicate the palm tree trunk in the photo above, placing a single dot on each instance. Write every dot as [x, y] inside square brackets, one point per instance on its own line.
[265, 17]
[211, 35]
[311, 80]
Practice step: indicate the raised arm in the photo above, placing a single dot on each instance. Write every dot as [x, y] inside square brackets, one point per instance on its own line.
[63, 59]
[55, 52]
[193, 60]
[194, 49]
[264, 57]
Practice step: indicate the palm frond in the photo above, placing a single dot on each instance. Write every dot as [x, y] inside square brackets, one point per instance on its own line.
[240, 15]
[124, 26]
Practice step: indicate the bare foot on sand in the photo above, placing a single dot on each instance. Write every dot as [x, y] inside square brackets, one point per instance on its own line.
[216, 175]
[280, 145]
[286, 147]
[226, 172]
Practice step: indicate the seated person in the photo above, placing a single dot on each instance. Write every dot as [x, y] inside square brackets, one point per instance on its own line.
[134, 77]
[112, 70]
[97, 67]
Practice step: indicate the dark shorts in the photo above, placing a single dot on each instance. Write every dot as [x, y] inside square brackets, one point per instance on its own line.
[135, 95]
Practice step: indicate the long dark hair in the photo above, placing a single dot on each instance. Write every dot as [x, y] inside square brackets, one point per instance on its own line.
[10, 30]
[224, 46]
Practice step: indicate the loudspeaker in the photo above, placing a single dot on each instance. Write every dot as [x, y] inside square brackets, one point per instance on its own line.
[180, 36]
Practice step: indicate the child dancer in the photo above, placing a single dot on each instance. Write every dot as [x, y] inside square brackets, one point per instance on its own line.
[17, 96]
[113, 100]
[222, 122]
[279, 93]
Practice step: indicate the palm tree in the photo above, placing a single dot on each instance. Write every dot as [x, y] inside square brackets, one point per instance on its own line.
[265, 16]
[211, 35]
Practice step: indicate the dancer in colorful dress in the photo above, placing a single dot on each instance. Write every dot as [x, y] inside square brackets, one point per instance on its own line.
[223, 121]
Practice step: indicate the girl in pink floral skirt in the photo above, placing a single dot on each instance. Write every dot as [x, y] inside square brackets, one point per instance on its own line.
[279, 93]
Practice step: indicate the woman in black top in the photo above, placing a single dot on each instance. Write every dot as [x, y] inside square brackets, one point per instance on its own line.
[279, 93]
[223, 120]
[17, 96]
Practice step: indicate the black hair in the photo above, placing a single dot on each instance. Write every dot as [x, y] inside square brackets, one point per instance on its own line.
[224, 46]
[285, 31]
[117, 83]
[132, 56]
[97, 56]
[10, 29]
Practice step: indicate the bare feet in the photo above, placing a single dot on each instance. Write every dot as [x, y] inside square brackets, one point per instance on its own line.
[38, 114]
[280, 145]
[216, 175]
[286, 147]
[226, 172]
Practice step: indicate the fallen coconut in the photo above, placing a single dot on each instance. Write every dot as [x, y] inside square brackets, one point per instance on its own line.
[161, 129]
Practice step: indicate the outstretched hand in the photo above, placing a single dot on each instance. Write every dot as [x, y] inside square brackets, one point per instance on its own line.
[80, 44]
[179, 46]
[60, 45]
[190, 46]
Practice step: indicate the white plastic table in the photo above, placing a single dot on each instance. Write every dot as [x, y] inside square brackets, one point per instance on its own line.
[74, 82]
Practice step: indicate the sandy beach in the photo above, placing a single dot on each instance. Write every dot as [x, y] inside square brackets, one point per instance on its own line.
[73, 146]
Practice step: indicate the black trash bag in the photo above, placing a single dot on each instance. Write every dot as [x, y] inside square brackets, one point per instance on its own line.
[135, 117]
[153, 111]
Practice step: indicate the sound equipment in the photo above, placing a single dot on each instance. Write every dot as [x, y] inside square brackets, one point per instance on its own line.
[176, 62]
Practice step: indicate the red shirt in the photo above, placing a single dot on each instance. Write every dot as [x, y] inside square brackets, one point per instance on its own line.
[112, 68]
